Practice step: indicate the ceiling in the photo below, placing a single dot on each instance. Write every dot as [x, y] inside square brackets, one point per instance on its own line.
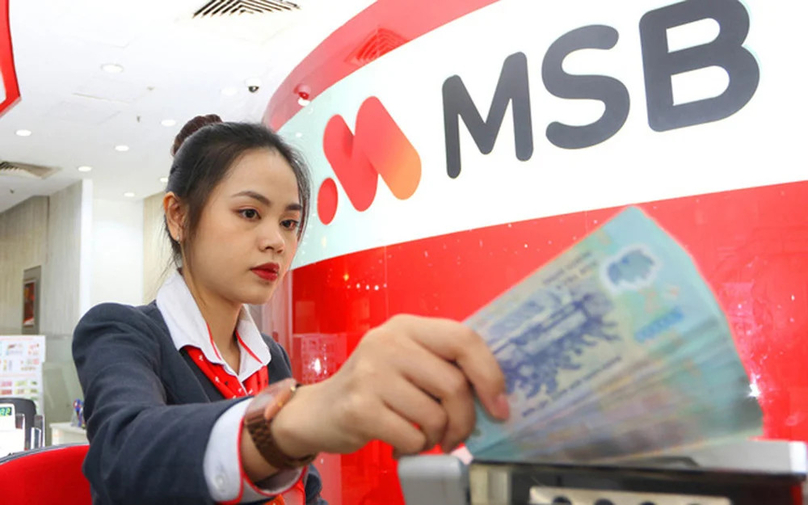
[175, 66]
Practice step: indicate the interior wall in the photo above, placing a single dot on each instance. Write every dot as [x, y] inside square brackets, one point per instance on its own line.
[117, 242]
[60, 306]
[23, 241]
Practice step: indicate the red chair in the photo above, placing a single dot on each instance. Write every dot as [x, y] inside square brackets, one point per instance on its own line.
[45, 476]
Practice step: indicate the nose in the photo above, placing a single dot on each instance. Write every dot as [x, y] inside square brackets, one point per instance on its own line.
[272, 238]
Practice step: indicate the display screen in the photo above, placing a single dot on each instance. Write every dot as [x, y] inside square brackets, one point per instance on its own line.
[7, 417]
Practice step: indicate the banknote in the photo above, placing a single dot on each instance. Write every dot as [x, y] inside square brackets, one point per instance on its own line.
[693, 374]
[654, 421]
[701, 359]
[617, 337]
[636, 403]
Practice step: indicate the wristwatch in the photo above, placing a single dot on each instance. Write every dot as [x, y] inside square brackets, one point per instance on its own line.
[258, 420]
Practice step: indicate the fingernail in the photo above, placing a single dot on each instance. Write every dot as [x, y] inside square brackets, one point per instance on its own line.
[502, 406]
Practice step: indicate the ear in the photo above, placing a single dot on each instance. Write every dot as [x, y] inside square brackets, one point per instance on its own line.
[175, 216]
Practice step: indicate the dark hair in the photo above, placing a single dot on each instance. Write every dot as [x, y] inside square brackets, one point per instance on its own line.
[205, 149]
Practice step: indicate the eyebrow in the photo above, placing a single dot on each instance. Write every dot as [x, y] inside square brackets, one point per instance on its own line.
[264, 200]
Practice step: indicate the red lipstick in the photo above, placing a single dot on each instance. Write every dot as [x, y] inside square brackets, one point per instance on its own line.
[267, 271]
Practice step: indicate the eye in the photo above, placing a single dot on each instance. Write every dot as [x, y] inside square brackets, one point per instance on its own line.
[290, 224]
[250, 214]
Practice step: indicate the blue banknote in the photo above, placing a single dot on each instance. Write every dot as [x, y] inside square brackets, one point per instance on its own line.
[621, 320]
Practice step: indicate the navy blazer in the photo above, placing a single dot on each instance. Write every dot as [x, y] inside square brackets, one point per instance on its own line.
[150, 410]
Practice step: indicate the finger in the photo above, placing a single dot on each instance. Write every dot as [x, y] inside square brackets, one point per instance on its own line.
[416, 406]
[455, 342]
[449, 385]
[390, 427]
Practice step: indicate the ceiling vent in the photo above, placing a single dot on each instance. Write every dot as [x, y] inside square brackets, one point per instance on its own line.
[218, 8]
[25, 170]
[379, 43]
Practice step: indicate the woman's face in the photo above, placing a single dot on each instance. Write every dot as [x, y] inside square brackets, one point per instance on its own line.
[247, 233]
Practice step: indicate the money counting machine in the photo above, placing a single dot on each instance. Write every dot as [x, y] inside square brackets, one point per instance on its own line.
[743, 473]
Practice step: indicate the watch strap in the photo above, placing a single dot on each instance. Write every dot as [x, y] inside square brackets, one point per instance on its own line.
[260, 430]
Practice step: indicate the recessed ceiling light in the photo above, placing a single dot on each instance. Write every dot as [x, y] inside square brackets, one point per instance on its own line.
[85, 168]
[121, 148]
[129, 194]
[229, 91]
[164, 179]
[303, 101]
[24, 133]
[168, 122]
[112, 68]
[299, 134]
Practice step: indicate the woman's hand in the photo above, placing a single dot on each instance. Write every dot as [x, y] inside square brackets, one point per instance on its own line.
[410, 383]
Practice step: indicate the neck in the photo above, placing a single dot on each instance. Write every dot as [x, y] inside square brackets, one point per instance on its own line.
[220, 314]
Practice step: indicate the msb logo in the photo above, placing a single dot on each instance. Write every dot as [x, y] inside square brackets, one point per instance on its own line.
[377, 147]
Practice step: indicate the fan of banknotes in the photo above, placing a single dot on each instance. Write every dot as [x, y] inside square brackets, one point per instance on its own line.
[615, 349]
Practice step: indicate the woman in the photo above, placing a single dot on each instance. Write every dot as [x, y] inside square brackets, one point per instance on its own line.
[176, 397]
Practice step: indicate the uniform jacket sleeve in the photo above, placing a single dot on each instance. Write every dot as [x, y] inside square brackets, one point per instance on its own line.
[148, 417]
[142, 449]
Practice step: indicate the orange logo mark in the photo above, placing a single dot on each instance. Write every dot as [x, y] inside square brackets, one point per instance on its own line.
[377, 148]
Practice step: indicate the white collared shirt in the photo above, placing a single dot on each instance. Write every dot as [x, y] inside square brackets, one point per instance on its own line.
[188, 328]
[222, 463]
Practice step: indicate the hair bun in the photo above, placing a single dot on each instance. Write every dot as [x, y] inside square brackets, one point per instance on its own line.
[191, 127]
